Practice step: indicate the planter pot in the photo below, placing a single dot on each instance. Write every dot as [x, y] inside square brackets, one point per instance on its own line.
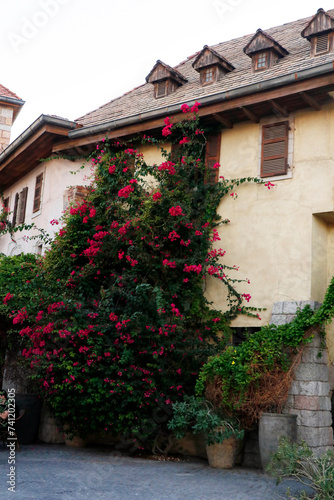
[27, 426]
[75, 441]
[223, 455]
[272, 427]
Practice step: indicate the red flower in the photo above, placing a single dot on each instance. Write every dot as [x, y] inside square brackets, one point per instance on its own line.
[269, 185]
[185, 108]
[194, 108]
[176, 210]
[7, 298]
[184, 140]
[124, 192]
[112, 169]
[156, 196]
[113, 317]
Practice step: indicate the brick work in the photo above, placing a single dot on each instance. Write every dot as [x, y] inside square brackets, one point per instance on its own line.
[6, 121]
[74, 195]
[309, 396]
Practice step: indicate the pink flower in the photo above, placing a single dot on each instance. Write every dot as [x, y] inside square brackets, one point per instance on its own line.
[185, 108]
[216, 165]
[194, 108]
[21, 316]
[112, 169]
[269, 185]
[184, 140]
[156, 196]
[7, 298]
[176, 210]
[169, 166]
[113, 317]
[133, 181]
[246, 296]
[53, 222]
[124, 192]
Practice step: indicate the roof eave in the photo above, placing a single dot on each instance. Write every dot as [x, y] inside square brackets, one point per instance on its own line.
[206, 100]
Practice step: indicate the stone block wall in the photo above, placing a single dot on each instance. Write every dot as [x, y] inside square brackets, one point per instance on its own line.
[6, 121]
[309, 395]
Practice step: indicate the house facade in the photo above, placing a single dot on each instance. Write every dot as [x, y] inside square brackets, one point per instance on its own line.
[272, 94]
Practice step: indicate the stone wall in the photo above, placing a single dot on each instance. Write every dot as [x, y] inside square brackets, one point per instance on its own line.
[310, 393]
[6, 121]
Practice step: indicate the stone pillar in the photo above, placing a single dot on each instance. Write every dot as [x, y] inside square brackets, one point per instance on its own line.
[309, 395]
[6, 121]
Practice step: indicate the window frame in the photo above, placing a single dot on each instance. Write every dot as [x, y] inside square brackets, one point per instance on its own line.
[275, 140]
[38, 195]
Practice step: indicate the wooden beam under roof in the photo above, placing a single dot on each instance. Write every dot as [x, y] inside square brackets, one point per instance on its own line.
[282, 111]
[310, 101]
[223, 120]
[252, 116]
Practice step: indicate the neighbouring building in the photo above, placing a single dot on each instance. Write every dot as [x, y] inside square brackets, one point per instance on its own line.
[273, 95]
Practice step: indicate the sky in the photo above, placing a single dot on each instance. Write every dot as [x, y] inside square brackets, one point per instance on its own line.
[68, 57]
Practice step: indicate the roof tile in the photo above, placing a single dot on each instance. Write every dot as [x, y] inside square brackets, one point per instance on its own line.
[141, 99]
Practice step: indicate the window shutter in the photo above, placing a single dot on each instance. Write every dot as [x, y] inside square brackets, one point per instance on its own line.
[161, 89]
[22, 205]
[274, 157]
[322, 43]
[38, 193]
[211, 157]
[175, 155]
[16, 204]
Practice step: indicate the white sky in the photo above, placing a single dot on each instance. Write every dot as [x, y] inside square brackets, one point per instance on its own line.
[68, 57]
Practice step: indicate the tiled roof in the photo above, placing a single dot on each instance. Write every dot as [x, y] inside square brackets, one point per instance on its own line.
[141, 99]
[4, 92]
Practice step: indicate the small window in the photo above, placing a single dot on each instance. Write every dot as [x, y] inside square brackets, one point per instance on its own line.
[208, 75]
[322, 44]
[240, 334]
[38, 193]
[22, 205]
[261, 61]
[274, 154]
[16, 205]
[160, 90]
[211, 158]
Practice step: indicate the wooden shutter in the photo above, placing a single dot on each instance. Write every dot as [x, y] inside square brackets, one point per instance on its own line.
[38, 193]
[22, 205]
[175, 153]
[16, 204]
[211, 157]
[322, 43]
[160, 89]
[274, 155]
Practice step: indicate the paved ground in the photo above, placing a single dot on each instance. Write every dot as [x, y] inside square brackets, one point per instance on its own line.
[58, 472]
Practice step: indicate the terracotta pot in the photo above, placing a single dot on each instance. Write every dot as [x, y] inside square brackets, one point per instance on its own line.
[75, 441]
[223, 455]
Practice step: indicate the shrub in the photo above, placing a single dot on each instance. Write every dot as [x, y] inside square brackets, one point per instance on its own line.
[299, 462]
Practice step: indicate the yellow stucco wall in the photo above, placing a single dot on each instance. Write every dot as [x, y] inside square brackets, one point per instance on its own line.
[281, 239]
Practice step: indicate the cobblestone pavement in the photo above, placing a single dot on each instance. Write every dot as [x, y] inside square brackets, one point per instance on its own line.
[58, 472]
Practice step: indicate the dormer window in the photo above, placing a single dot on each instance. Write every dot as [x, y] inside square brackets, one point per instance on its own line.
[161, 89]
[264, 51]
[165, 79]
[261, 61]
[208, 75]
[320, 32]
[211, 66]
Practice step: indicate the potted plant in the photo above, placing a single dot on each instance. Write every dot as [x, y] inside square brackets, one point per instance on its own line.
[222, 434]
[254, 378]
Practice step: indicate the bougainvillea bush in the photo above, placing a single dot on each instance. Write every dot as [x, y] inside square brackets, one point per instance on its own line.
[123, 325]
